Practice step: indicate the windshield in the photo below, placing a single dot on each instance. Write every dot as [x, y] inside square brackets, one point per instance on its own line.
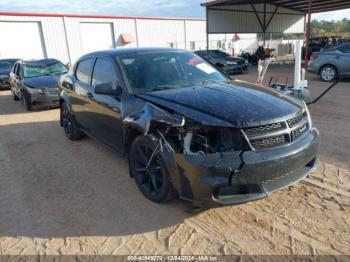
[34, 70]
[147, 72]
[6, 65]
[218, 53]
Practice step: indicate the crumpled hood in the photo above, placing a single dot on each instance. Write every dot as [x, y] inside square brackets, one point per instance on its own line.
[238, 105]
[47, 81]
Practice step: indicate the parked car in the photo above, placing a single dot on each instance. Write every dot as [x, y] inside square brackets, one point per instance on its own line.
[317, 44]
[36, 82]
[225, 62]
[186, 128]
[5, 70]
[331, 63]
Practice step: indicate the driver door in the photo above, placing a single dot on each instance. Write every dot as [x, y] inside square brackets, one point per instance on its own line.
[16, 80]
[105, 118]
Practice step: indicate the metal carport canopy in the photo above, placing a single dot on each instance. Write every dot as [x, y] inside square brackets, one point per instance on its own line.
[264, 16]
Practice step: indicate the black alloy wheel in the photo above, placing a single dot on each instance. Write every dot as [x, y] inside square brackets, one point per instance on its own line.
[148, 170]
[71, 129]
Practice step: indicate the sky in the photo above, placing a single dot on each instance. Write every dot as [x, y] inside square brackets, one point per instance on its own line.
[163, 8]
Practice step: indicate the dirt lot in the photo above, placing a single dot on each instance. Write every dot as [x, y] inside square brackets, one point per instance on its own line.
[62, 197]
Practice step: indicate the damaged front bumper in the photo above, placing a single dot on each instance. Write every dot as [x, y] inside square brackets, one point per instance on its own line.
[45, 100]
[238, 177]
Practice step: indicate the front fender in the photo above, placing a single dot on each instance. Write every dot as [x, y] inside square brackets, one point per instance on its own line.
[141, 115]
[64, 97]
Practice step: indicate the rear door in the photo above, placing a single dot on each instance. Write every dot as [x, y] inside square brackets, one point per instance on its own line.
[105, 118]
[344, 59]
[82, 91]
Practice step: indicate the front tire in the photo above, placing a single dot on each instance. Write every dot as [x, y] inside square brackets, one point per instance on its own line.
[328, 73]
[70, 126]
[27, 101]
[14, 96]
[149, 171]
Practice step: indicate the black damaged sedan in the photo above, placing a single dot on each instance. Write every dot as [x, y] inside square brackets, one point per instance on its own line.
[186, 129]
[36, 82]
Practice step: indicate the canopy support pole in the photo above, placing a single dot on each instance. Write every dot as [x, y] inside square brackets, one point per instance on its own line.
[206, 27]
[308, 33]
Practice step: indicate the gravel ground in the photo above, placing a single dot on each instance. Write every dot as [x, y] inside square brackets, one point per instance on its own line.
[63, 197]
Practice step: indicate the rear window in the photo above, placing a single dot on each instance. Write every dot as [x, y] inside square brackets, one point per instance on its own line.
[83, 70]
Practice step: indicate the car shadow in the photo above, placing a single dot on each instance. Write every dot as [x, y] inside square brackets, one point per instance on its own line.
[53, 187]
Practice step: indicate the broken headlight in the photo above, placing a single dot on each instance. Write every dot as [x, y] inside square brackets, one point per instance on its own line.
[213, 140]
[194, 138]
[308, 115]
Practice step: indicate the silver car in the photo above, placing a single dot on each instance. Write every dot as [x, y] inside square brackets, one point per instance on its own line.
[331, 63]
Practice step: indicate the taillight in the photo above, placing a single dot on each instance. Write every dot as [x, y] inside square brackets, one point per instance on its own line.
[313, 56]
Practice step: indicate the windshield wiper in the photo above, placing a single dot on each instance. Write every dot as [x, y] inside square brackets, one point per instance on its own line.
[211, 81]
[163, 87]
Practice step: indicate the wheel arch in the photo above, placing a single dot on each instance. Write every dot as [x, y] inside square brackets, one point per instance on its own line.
[64, 98]
[130, 132]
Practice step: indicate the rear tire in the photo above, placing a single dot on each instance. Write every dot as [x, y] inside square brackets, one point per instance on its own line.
[69, 124]
[328, 73]
[150, 173]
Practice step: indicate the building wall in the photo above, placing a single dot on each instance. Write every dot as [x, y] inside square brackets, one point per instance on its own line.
[63, 36]
[52, 33]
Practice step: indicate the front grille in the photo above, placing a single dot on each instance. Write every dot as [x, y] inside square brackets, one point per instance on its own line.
[295, 120]
[269, 142]
[296, 133]
[277, 134]
[260, 130]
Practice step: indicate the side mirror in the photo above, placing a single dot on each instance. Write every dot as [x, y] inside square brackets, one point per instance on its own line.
[108, 89]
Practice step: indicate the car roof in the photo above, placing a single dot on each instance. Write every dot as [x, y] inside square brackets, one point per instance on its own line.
[10, 59]
[133, 50]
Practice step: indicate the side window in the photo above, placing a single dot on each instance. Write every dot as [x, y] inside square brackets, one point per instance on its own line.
[18, 70]
[104, 73]
[14, 69]
[346, 49]
[83, 70]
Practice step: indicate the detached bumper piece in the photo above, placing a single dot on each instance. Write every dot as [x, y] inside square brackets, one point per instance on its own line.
[239, 177]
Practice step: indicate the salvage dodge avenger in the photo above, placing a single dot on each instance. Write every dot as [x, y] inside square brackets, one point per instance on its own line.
[186, 129]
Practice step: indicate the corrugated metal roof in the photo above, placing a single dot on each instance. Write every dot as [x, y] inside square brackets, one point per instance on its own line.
[97, 16]
[317, 6]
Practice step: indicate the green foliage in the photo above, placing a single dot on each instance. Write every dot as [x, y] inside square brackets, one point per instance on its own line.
[330, 28]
